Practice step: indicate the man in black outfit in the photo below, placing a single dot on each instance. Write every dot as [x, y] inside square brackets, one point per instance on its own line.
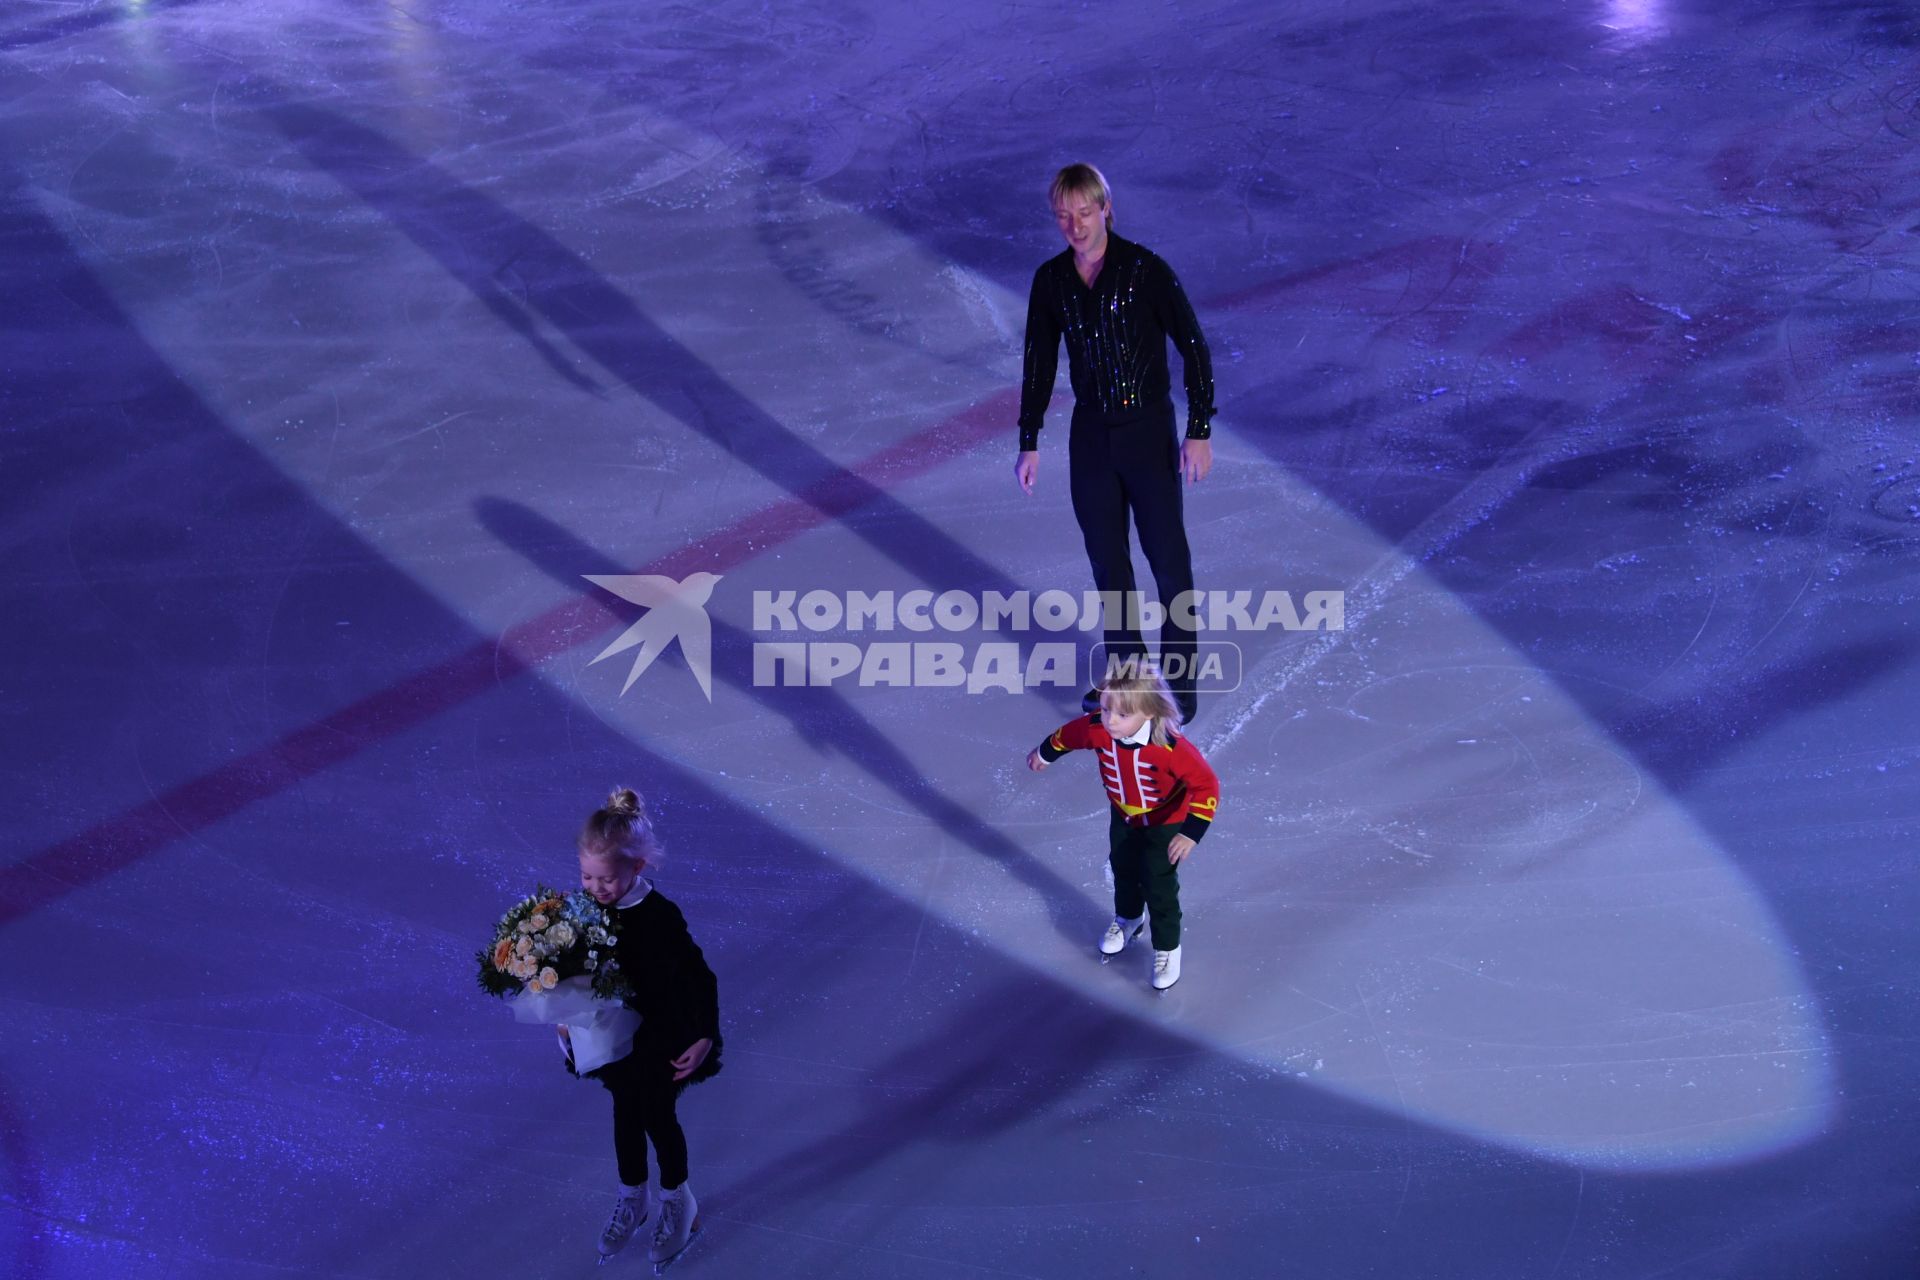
[1117, 304]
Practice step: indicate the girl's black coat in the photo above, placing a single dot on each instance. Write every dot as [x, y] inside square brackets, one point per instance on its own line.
[674, 991]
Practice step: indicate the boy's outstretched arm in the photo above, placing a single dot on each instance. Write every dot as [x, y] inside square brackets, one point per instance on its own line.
[1071, 736]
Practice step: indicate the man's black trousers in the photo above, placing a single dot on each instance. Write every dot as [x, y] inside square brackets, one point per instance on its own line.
[1133, 469]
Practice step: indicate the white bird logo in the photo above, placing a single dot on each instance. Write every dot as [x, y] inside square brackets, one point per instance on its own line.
[673, 609]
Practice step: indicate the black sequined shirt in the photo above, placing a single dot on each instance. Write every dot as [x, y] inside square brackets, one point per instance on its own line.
[1116, 336]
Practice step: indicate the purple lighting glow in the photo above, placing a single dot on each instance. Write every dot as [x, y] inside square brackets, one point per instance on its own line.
[367, 372]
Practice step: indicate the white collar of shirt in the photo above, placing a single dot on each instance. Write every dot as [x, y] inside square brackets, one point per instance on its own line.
[641, 888]
[1141, 736]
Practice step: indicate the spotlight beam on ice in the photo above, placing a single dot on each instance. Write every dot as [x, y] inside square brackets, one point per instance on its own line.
[1568, 966]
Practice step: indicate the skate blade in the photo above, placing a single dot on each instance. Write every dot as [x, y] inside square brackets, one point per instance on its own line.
[693, 1233]
[605, 1257]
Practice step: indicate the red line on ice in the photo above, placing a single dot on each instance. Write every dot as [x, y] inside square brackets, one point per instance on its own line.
[191, 806]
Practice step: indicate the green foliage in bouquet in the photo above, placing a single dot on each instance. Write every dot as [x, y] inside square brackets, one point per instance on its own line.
[548, 937]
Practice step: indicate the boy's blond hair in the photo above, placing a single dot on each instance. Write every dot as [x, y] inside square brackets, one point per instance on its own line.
[1137, 686]
[1082, 180]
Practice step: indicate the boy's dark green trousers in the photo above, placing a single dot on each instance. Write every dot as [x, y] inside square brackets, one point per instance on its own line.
[1143, 879]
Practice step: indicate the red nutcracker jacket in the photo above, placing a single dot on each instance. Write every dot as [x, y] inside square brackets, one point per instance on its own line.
[1151, 786]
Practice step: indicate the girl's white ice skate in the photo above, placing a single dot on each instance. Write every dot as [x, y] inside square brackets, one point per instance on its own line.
[679, 1223]
[630, 1213]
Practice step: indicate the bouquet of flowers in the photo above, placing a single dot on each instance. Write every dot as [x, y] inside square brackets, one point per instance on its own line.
[552, 957]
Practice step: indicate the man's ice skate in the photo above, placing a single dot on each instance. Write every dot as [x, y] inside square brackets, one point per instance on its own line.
[1166, 968]
[630, 1213]
[679, 1223]
[1118, 933]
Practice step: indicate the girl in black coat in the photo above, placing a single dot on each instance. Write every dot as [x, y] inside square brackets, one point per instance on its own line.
[678, 1043]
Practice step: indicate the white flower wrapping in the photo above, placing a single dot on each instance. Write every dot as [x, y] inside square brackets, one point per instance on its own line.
[601, 1031]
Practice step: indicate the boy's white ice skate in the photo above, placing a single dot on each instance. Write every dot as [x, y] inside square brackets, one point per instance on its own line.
[679, 1223]
[1166, 968]
[630, 1213]
[1122, 929]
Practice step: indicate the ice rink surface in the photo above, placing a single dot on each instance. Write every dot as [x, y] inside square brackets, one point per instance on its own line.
[1559, 919]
